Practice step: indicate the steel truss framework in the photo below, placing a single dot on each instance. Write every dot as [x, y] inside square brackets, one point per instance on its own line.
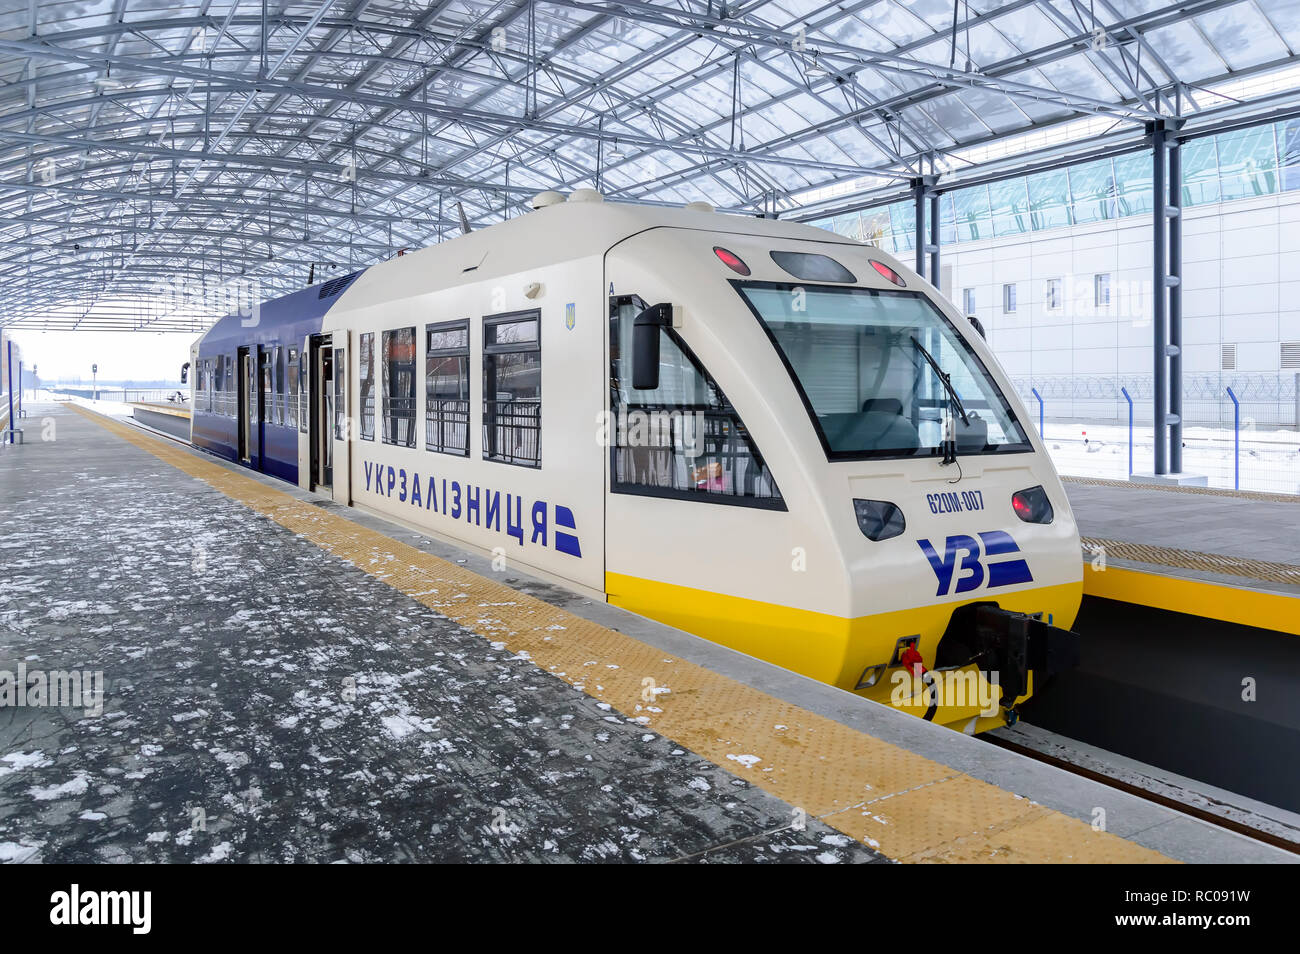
[151, 154]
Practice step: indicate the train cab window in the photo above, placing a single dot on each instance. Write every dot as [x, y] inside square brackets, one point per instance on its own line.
[399, 387]
[446, 388]
[366, 376]
[291, 389]
[864, 362]
[512, 389]
[683, 439]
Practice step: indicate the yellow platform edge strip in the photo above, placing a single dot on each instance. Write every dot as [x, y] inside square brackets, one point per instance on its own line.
[908, 807]
[1228, 604]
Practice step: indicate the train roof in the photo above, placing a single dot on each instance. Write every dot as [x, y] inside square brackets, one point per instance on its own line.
[582, 227]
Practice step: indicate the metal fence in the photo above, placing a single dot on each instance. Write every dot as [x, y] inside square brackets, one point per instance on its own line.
[1268, 398]
[512, 432]
[1239, 428]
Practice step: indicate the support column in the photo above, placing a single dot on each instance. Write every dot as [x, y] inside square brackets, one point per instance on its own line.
[918, 238]
[936, 276]
[1174, 281]
[1159, 329]
[922, 190]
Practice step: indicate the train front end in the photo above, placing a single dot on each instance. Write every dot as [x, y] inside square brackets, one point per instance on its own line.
[915, 544]
[965, 571]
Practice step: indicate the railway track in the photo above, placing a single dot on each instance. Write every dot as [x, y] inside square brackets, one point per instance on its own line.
[1279, 833]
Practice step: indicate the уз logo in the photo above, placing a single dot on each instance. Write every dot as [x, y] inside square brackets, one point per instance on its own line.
[996, 543]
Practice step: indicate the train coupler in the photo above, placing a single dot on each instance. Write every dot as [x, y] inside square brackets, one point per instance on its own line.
[1007, 645]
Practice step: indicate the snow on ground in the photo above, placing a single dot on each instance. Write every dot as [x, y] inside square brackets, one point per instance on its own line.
[1269, 459]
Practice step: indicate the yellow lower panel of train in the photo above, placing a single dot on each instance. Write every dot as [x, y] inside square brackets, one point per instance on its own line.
[838, 650]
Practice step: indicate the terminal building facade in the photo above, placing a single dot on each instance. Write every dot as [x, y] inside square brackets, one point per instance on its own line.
[1057, 268]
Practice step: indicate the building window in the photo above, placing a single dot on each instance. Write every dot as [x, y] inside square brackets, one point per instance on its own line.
[512, 389]
[1053, 300]
[1290, 357]
[399, 387]
[366, 357]
[1009, 299]
[968, 300]
[1228, 357]
[683, 439]
[1101, 290]
[446, 388]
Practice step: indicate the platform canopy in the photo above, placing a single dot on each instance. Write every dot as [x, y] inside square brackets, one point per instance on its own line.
[158, 157]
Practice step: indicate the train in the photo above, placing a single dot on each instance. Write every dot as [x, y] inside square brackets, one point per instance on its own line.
[750, 429]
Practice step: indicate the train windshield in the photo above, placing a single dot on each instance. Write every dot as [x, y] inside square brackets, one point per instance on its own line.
[861, 359]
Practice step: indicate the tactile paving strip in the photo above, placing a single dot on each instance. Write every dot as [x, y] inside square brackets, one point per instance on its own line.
[1193, 560]
[907, 806]
[1176, 489]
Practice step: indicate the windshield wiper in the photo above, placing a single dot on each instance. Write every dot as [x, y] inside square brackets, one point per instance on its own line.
[949, 443]
[945, 380]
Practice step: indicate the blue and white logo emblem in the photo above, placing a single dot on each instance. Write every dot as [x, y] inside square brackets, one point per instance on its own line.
[570, 316]
[996, 543]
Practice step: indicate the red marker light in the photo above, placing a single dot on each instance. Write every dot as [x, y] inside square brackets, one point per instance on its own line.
[889, 273]
[1023, 510]
[731, 260]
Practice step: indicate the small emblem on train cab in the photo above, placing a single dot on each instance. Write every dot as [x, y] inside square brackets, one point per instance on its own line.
[570, 316]
[1005, 572]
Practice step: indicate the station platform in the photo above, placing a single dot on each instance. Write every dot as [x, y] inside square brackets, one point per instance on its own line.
[290, 680]
[171, 419]
[1232, 556]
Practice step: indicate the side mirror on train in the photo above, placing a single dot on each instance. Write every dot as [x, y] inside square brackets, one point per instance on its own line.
[977, 325]
[185, 372]
[645, 345]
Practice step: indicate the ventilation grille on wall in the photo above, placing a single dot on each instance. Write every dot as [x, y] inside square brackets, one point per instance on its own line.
[1290, 355]
[336, 285]
[1229, 361]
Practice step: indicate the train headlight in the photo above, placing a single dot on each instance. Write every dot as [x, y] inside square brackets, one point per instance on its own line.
[879, 519]
[1032, 505]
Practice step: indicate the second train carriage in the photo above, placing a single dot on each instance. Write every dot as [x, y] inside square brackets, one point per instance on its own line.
[754, 430]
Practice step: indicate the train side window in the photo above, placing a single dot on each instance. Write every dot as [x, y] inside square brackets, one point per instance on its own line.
[446, 388]
[291, 389]
[342, 431]
[399, 387]
[279, 385]
[366, 375]
[304, 412]
[683, 439]
[268, 394]
[230, 402]
[512, 388]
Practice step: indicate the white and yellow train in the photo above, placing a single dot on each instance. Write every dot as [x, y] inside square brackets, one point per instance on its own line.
[753, 430]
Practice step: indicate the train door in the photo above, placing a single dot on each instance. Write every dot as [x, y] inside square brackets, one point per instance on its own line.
[245, 388]
[343, 422]
[321, 410]
[266, 405]
[302, 368]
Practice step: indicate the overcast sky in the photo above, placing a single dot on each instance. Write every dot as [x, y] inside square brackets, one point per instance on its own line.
[121, 355]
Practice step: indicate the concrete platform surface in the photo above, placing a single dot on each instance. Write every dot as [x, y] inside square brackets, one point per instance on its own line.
[287, 680]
